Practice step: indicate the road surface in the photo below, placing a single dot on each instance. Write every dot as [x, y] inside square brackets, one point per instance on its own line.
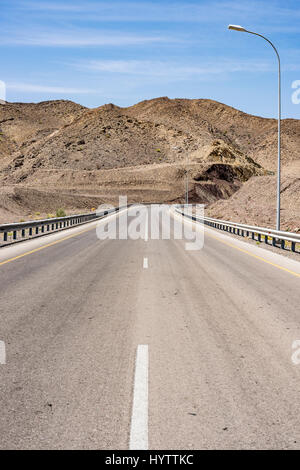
[121, 344]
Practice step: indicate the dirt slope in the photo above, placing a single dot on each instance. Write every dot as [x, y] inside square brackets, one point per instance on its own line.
[255, 203]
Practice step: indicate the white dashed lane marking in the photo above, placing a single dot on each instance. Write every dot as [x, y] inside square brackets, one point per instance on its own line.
[139, 417]
[145, 263]
[2, 353]
[146, 227]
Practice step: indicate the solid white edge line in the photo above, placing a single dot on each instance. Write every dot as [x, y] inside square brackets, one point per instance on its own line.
[139, 417]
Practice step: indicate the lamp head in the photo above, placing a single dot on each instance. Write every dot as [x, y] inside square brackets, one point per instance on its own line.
[234, 27]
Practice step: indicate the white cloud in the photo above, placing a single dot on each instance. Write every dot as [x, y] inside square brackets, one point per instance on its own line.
[126, 10]
[269, 12]
[78, 38]
[55, 6]
[169, 69]
[26, 87]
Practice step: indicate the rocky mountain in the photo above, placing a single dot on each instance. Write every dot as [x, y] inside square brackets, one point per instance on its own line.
[61, 154]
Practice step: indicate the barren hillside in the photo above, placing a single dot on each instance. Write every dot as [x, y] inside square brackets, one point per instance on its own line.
[59, 153]
[207, 119]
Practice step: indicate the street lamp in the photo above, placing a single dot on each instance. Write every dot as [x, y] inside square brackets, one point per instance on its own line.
[243, 30]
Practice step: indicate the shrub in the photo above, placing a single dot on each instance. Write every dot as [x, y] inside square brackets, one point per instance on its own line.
[60, 213]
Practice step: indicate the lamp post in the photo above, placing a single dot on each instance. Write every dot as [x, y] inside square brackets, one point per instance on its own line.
[187, 181]
[243, 30]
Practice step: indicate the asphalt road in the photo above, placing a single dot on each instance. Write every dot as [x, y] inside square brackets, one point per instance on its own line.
[120, 343]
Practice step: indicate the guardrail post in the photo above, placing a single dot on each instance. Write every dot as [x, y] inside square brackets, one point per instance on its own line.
[282, 243]
[293, 247]
[5, 237]
[36, 230]
[23, 232]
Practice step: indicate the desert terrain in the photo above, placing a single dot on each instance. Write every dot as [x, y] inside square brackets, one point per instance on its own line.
[59, 154]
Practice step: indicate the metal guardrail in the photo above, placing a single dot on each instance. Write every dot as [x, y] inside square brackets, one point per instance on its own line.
[13, 233]
[276, 237]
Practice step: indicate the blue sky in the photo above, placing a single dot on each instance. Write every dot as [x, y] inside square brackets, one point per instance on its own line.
[97, 52]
